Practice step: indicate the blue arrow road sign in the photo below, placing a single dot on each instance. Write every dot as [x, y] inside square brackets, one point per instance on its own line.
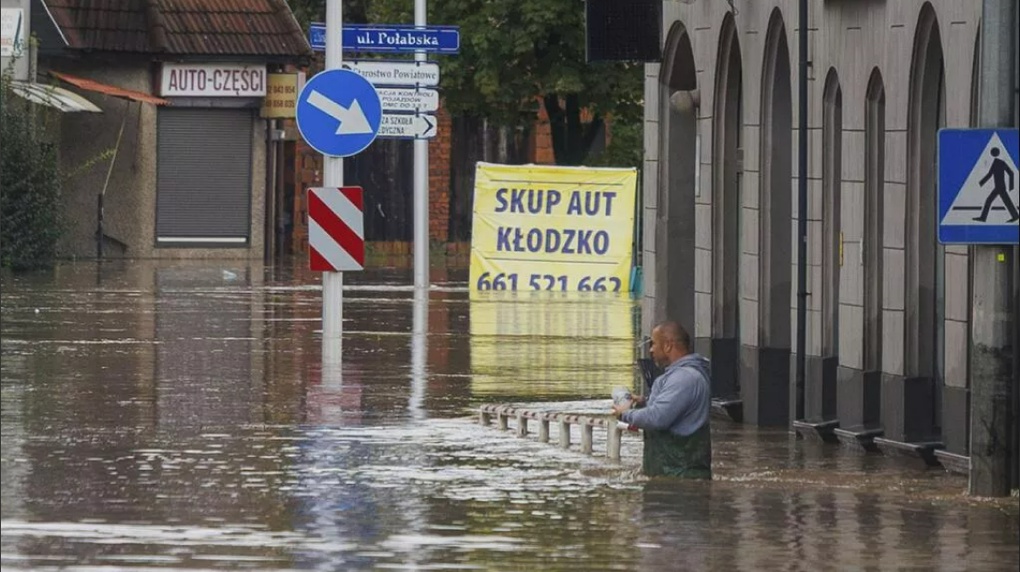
[392, 39]
[338, 113]
[979, 186]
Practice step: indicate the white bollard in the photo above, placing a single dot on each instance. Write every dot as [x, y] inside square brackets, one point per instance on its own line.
[615, 437]
[543, 430]
[564, 434]
[586, 437]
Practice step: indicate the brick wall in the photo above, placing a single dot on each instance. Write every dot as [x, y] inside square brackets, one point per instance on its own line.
[541, 140]
[439, 178]
[308, 172]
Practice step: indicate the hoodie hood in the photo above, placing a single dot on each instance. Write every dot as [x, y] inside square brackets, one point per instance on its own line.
[697, 362]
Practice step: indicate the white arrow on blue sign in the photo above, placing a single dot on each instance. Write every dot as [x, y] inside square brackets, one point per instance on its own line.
[979, 186]
[339, 113]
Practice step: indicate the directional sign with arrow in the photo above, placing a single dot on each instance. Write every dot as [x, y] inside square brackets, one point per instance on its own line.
[408, 126]
[339, 113]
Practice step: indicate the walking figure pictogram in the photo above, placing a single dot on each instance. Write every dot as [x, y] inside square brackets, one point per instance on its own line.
[999, 171]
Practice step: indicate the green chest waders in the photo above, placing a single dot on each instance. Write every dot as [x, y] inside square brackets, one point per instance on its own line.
[667, 454]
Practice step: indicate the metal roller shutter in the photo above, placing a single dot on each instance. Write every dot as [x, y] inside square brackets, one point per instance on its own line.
[204, 176]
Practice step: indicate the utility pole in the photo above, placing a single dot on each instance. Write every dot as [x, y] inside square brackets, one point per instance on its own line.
[802, 209]
[994, 305]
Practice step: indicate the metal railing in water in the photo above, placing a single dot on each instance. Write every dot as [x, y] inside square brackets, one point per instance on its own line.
[503, 413]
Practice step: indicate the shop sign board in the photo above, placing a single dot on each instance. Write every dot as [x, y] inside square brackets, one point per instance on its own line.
[213, 80]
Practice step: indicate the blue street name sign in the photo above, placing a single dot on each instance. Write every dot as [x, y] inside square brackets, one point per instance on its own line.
[392, 39]
[339, 113]
[979, 186]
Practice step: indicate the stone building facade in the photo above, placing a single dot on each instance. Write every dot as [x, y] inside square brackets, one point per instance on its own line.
[888, 329]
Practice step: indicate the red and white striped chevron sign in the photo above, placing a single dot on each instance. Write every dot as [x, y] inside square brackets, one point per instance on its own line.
[336, 235]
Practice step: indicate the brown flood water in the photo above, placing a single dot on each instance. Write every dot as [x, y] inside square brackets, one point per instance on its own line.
[175, 416]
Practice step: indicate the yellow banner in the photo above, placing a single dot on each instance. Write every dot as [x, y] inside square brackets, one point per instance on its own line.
[539, 227]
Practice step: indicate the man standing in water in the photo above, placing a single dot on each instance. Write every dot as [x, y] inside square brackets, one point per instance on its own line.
[675, 416]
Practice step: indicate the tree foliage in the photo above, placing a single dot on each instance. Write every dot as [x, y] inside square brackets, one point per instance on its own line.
[30, 225]
[517, 55]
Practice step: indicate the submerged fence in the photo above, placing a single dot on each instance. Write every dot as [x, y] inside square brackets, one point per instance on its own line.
[503, 414]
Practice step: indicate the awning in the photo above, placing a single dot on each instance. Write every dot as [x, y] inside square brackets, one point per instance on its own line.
[53, 96]
[92, 85]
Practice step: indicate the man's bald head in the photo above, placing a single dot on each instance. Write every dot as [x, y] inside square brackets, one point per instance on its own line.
[670, 342]
[674, 332]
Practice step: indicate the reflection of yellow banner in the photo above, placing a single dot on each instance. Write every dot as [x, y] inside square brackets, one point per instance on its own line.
[552, 228]
[539, 345]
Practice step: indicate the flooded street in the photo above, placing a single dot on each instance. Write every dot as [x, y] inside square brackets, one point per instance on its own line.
[176, 416]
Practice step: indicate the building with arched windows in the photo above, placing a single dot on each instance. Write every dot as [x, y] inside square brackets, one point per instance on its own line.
[889, 308]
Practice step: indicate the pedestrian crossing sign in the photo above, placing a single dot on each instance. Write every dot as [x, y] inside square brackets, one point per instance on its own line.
[979, 186]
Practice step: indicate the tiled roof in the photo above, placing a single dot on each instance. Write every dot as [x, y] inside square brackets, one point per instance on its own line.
[181, 27]
[105, 25]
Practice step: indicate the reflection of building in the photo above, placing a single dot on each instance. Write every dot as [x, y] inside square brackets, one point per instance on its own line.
[888, 319]
[189, 177]
[206, 356]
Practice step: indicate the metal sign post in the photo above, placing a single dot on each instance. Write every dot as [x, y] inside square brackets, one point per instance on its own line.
[421, 186]
[339, 114]
[333, 176]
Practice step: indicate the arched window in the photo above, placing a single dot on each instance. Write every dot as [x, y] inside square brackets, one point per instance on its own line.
[775, 228]
[874, 203]
[832, 178]
[672, 295]
[726, 207]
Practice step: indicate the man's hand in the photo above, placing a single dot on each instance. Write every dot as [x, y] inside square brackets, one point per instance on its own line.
[636, 401]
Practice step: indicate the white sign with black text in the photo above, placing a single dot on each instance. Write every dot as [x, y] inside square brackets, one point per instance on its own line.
[408, 99]
[213, 80]
[409, 73]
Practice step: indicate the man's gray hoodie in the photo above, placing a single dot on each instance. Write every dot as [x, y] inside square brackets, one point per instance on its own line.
[681, 398]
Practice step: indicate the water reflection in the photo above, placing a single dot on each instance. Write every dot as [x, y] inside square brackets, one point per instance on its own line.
[552, 344]
[177, 415]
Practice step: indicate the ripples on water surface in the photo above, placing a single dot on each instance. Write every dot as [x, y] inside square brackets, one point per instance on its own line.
[175, 416]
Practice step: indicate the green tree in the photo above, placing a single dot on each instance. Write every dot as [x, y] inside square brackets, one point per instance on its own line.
[516, 55]
[30, 224]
